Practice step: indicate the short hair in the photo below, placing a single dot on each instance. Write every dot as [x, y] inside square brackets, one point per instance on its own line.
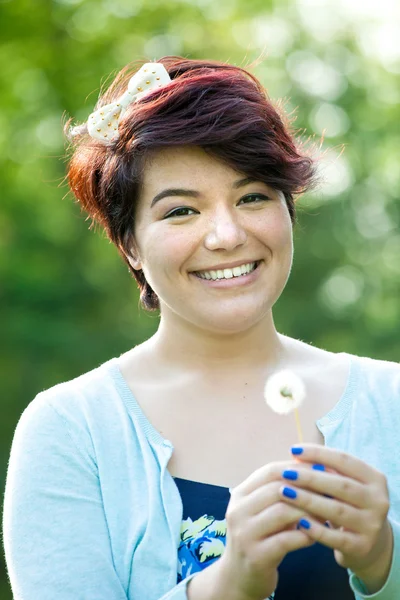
[219, 107]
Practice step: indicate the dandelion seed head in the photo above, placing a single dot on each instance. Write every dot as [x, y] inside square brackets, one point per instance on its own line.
[284, 391]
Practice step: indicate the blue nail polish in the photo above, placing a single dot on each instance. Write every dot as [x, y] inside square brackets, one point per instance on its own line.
[296, 450]
[318, 467]
[304, 523]
[328, 496]
[289, 492]
[290, 474]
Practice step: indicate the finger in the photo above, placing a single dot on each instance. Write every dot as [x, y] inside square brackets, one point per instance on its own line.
[325, 468]
[342, 462]
[337, 539]
[264, 496]
[324, 508]
[276, 518]
[339, 487]
[261, 476]
[277, 546]
[265, 474]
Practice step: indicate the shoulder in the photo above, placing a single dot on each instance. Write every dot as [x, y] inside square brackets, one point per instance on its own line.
[320, 365]
[94, 383]
[79, 401]
[89, 410]
[378, 375]
[343, 370]
[333, 364]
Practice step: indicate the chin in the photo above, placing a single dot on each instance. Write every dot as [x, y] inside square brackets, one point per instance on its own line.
[231, 321]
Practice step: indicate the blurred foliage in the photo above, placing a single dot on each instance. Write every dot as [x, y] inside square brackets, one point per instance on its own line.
[68, 302]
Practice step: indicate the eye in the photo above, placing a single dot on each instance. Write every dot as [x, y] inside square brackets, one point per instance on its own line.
[179, 212]
[250, 198]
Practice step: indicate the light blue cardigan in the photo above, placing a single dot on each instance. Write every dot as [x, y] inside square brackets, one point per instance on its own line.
[91, 512]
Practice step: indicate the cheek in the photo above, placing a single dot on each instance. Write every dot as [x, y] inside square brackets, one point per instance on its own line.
[277, 233]
[166, 251]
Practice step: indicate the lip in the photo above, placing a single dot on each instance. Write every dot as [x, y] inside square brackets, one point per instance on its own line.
[221, 267]
[233, 282]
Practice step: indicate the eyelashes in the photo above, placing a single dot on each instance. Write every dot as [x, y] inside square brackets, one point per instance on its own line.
[180, 211]
[260, 196]
[176, 211]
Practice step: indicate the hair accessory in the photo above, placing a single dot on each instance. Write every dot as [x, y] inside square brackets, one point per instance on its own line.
[103, 123]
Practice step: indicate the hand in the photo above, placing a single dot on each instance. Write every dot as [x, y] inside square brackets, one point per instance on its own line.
[358, 506]
[261, 530]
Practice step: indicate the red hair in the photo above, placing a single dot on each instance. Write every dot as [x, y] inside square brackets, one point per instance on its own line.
[219, 107]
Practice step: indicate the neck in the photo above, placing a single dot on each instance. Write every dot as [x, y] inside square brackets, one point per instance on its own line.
[191, 348]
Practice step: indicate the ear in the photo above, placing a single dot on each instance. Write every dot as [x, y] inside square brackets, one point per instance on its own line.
[133, 255]
[134, 262]
[134, 258]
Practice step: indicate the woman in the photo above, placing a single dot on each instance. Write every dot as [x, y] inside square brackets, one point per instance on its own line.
[161, 473]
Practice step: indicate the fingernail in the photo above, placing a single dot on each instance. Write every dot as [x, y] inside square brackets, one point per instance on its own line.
[297, 450]
[289, 492]
[304, 523]
[328, 496]
[290, 474]
[318, 467]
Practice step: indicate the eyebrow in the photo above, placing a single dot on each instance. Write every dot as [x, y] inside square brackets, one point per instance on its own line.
[194, 194]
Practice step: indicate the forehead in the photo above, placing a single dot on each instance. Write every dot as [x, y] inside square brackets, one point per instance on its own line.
[183, 164]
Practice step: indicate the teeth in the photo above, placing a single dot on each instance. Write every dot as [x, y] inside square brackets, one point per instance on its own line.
[228, 273]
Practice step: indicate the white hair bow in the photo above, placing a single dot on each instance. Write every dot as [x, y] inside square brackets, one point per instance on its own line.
[103, 123]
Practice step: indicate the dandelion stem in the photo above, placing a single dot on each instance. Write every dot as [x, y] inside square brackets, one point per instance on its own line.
[296, 414]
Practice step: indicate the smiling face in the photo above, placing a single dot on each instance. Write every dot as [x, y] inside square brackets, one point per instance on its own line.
[191, 245]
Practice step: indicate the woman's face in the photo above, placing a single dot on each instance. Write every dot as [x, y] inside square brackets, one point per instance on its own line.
[188, 242]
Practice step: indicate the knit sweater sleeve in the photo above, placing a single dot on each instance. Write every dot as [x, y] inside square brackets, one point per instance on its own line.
[390, 590]
[382, 415]
[55, 533]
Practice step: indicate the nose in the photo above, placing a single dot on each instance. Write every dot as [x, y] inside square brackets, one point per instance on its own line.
[225, 232]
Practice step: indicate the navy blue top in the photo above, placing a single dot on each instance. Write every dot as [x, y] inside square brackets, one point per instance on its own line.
[306, 574]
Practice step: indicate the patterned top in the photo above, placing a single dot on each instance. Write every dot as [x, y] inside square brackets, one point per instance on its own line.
[306, 574]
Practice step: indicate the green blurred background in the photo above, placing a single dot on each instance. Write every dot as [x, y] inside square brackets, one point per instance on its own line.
[68, 302]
